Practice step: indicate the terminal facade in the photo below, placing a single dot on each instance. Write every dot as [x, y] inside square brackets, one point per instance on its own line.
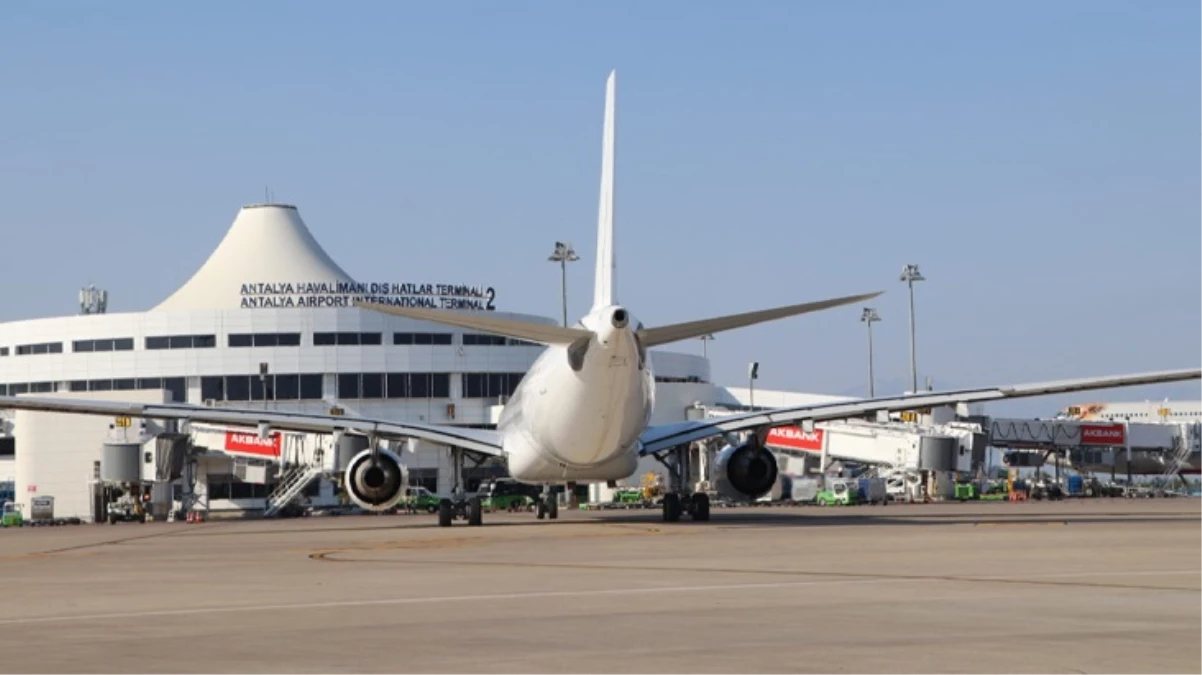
[279, 332]
[274, 331]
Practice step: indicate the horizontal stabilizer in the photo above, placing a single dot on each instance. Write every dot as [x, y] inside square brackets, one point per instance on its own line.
[692, 329]
[542, 333]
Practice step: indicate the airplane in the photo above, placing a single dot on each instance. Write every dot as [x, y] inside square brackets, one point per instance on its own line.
[581, 413]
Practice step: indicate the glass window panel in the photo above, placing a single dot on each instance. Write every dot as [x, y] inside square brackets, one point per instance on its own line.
[373, 385]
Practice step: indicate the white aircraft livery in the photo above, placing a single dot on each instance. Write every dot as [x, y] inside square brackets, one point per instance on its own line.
[581, 412]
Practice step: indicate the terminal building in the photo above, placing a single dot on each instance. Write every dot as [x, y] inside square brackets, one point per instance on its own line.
[267, 321]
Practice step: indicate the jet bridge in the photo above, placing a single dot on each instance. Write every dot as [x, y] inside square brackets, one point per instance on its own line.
[1116, 446]
[290, 461]
[954, 446]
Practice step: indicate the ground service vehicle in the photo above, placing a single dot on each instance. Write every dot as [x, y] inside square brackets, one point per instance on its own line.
[506, 494]
[420, 499]
[12, 515]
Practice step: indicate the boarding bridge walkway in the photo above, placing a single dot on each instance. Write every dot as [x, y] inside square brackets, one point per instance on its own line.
[900, 446]
[1165, 448]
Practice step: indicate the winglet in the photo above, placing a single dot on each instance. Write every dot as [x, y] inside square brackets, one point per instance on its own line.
[604, 288]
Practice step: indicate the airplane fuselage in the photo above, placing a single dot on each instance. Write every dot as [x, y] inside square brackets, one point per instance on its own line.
[578, 413]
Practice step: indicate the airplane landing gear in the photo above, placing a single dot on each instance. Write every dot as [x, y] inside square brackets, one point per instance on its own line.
[548, 506]
[459, 506]
[450, 510]
[697, 505]
[671, 507]
[678, 501]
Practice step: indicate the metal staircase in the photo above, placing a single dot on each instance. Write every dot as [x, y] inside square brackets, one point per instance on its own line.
[1176, 458]
[296, 474]
[292, 485]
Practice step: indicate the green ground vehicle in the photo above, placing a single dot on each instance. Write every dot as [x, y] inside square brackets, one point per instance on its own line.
[837, 493]
[995, 491]
[12, 515]
[506, 494]
[628, 496]
[966, 491]
[419, 499]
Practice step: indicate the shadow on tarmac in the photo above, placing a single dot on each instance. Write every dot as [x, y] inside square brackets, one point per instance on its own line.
[754, 517]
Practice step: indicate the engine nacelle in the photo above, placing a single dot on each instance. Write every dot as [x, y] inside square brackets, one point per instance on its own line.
[745, 472]
[378, 485]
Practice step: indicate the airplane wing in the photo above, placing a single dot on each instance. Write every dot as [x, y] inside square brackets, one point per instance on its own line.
[664, 436]
[661, 335]
[483, 441]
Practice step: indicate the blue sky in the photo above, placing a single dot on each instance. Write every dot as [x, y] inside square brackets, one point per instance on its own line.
[1040, 161]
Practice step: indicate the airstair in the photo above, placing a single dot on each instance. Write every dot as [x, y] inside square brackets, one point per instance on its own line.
[1176, 459]
[298, 471]
[294, 482]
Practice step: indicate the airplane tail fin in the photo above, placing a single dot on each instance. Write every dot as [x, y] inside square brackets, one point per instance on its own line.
[545, 334]
[692, 329]
[604, 289]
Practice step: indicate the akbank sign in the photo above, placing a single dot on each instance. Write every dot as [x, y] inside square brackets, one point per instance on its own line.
[260, 295]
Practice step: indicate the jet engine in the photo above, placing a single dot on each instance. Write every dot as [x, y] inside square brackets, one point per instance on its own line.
[744, 472]
[376, 485]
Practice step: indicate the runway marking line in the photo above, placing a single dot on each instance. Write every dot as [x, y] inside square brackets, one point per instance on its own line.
[532, 595]
[1004, 523]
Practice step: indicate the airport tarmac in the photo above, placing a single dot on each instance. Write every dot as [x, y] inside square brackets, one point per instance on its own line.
[1108, 585]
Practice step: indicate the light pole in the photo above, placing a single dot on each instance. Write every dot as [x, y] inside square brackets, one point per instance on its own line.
[910, 274]
[563, 255]
[705, 341]
[753, 371]
[869, 316]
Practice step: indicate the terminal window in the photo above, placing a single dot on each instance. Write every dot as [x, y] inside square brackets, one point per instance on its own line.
[482, 339]
[264, 339]
[489, 385]
[344, 338]
[41, 348]
[418, 385]
[421, 338]
[282, 387]
[174, 385]
[485, 339]
[181, 341]
[103, 345]
[15, 388]
[361, 385]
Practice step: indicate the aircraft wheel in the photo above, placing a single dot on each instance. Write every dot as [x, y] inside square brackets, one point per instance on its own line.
[701, 506]
[445, 514]
[542, 509]
[671, 507]
[552, 508]
[475, 512]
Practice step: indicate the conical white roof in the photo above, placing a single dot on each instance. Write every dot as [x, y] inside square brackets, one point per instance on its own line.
[268, 243]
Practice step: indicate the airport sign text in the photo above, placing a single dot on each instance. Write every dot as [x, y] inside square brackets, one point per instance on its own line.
[795, 438]
[251, 443]
[1102, 434]
[318, 294]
